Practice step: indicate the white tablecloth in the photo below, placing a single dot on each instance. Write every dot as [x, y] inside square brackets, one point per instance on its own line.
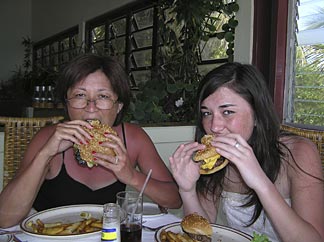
[146, 235]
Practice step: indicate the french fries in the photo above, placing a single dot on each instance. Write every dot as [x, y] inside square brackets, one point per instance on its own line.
[86, 224]
[169, 236]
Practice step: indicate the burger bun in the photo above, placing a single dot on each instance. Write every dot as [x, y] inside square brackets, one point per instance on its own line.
[83, 152]
[211, 161]
[197, 227]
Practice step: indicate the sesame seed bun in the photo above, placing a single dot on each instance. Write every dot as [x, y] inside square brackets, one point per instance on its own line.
[83, 152]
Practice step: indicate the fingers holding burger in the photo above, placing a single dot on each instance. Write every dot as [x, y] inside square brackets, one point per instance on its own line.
[84, 152]
[211, 161]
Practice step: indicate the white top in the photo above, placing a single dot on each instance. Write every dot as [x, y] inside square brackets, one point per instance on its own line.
[237, 217]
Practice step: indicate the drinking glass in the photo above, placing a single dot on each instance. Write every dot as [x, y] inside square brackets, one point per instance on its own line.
[132, 205]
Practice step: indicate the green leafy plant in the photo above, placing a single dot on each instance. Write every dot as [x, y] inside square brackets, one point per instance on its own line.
[21, 84]
[186, 26]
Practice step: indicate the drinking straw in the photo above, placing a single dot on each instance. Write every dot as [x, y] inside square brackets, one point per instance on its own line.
[141, 192]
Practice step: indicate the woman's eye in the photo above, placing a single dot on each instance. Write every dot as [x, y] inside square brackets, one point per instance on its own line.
[205, 113]
[79, 95]
[227, 112]
[102, 96]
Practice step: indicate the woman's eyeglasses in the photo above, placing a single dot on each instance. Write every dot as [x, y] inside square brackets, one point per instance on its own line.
[100, 103]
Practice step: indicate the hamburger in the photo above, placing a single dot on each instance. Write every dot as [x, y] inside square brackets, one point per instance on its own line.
[197, 227]
[210, 160]
[83, 152]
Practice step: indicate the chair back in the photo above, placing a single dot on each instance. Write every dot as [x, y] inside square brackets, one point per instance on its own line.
[17, 134]
[317, 136]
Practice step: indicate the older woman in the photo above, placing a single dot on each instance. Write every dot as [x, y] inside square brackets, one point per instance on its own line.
[92, 87]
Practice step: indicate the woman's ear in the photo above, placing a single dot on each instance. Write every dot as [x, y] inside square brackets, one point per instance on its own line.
[120, 106]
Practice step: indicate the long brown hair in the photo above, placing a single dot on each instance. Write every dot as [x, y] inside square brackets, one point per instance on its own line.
[248, 82]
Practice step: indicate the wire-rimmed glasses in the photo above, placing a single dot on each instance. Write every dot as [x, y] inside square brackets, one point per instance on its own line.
[100, 103]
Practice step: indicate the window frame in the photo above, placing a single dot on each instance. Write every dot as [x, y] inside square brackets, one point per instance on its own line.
[127, 11]
[71, 33]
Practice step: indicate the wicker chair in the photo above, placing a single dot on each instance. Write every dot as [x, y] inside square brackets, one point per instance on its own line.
[18, 133]
[316, 136]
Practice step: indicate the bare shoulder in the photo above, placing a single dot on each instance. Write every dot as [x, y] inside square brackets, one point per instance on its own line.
[303, 153]
[135, 130]
[44, 133]
[38, 140]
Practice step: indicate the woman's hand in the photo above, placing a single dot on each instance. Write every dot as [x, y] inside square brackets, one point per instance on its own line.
[65, 135]
[239, 152]
[119, 164]
[185, 171]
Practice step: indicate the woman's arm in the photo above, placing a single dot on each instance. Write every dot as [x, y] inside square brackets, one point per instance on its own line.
[304, 220]
[140, 153]
[161, 187]
[18, 196]
[186, 174]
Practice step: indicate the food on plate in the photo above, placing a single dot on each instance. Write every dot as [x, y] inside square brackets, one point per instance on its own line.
[60, 228]
[169, 236]
[195, 227]
[211, 160]
[83, 152]
[260, 238]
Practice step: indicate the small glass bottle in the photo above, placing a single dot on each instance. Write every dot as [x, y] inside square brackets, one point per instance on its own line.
[111, 223]
[36, 97]
[43, 96]
[50, 97]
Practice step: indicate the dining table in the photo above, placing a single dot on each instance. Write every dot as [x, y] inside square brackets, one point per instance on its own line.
[153, 222]
[18, 235]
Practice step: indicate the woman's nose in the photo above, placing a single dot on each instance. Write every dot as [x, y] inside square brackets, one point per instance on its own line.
[217, 125]
[91, 105]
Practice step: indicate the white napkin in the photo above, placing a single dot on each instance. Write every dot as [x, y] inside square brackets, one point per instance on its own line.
[161, 220]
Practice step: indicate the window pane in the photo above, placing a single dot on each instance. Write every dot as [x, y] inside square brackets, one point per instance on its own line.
[142, 58]
[118, 27]
[143, 19]
[99, 47]
[54, 47]
[98, 33]
[143, 38]
[141, 76]
[118, 45]
[214, 48]
[65, 44]
[306, 99]
[46, 51]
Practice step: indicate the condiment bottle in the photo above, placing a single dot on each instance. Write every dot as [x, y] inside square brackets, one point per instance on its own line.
[43, 97]
[36, 97]
[50, 97]
[111, 223]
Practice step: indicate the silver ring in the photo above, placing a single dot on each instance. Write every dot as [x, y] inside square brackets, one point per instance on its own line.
[116, 160]
[237, 144]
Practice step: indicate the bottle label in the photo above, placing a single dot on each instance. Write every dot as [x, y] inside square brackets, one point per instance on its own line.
[109, 234]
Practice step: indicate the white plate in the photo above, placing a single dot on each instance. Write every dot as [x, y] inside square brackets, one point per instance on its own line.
[220, 233]
[151, 210]
[65, 214]
[6, 238]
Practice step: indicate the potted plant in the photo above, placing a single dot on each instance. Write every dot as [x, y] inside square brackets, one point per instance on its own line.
[186, 26]
[16, 92]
